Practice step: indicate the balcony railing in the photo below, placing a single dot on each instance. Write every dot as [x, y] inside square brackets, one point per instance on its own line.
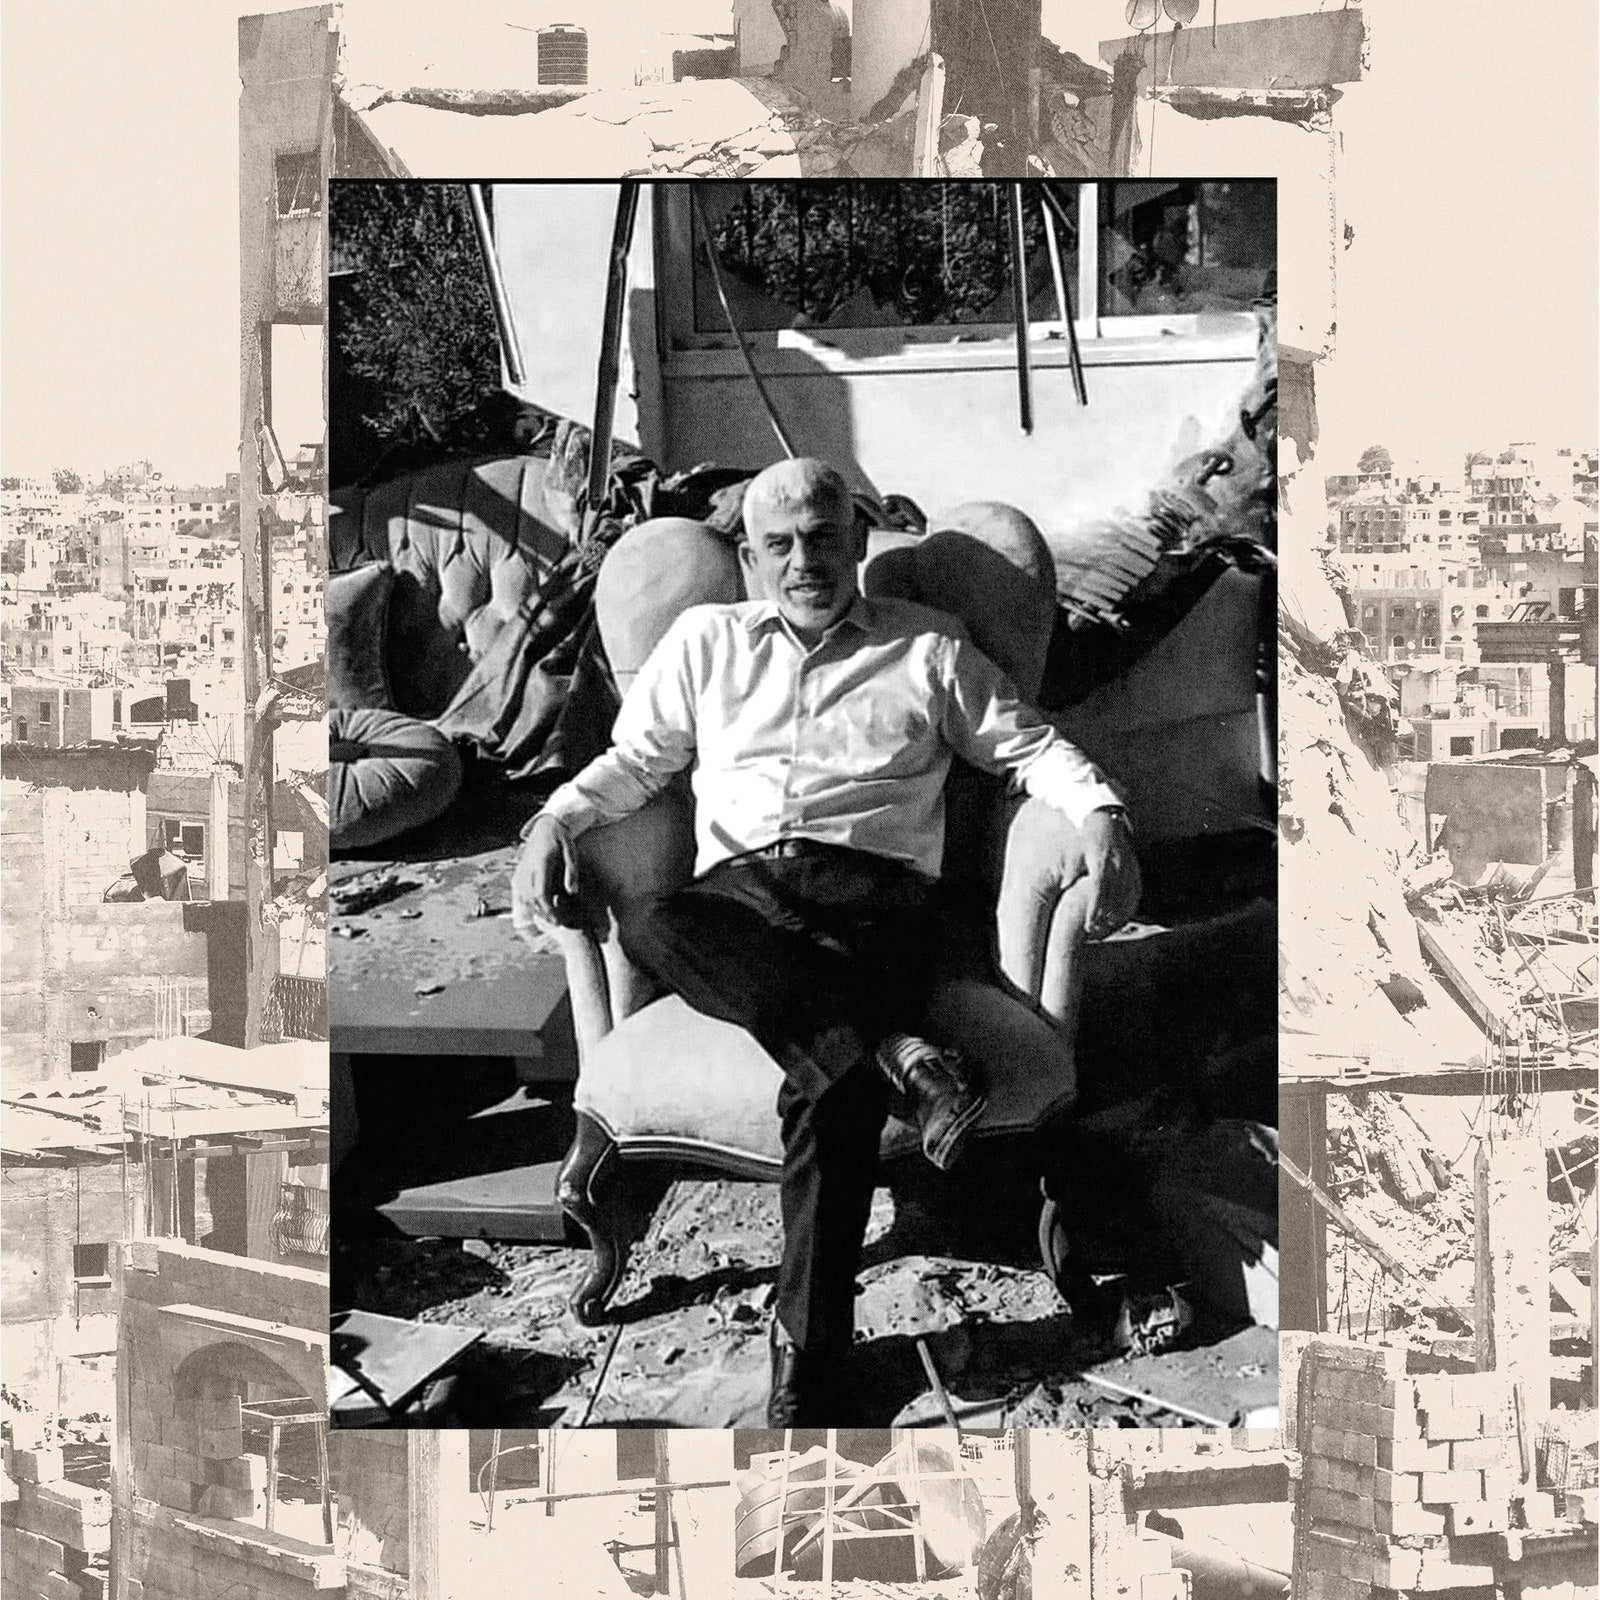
[301, 1222]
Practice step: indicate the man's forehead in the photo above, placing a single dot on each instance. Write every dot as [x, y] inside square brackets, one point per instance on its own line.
[814, 517]
[803, 493]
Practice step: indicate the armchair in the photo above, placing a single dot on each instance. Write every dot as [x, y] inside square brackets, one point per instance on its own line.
[659, 1080]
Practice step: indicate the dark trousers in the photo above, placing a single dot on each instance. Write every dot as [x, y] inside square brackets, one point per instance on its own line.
[819, 951]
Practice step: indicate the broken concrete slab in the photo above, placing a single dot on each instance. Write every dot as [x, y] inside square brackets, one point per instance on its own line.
[1306, 51]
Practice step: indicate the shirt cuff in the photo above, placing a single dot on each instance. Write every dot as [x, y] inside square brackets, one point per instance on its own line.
[568, 806]
[1069, 781]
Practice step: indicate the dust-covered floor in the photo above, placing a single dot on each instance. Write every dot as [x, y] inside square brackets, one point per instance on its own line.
[688, 1346]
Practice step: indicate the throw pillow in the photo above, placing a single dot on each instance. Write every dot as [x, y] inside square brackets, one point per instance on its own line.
[388, 773]
[358, 626]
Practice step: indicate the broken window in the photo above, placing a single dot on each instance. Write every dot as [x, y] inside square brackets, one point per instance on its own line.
[300, 1224]
[87, 1054]
[91, 1263]
[869, 255]
[299, 183]
[563, 55]
[1172, 248]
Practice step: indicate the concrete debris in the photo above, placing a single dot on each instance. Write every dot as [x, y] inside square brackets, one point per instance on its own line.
[690, 1346]
[1352, 976]
[753, 127]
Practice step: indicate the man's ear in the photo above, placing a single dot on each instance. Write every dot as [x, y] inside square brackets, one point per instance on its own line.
[747, 565]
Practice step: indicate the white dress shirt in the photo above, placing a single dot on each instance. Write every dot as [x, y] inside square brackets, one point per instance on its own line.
[847, 741]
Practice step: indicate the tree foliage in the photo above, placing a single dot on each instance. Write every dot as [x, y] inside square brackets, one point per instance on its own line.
[68, 481]
[1375, 459]
[933, 252]
[418, 326]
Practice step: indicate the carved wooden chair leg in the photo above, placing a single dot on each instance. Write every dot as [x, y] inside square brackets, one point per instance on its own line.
[589, 1189]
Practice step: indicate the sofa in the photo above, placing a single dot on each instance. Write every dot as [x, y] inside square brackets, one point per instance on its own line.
[458, 600]
[657, 1080]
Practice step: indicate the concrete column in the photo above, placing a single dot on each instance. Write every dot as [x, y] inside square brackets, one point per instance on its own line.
[1558, 698]
[217, 833]
[886, 36]
[1511, 1308]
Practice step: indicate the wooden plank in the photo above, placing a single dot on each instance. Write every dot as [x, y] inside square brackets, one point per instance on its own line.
[930, 112]
[519, 1204]
[1390, 1263]
[1457, 965]
[395, 1356]
[422, 1523]
[521, 1009]
[1451, 1078]
[1308, 51]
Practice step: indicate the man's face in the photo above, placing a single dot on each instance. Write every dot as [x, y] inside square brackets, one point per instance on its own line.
[804, 558]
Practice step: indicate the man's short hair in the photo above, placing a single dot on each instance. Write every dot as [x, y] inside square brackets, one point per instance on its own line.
[793, 485]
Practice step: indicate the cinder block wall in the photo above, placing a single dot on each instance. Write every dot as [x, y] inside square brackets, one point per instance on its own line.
[189, 1480]
[370, 1478]
[1406, 1479]
[55, 1536]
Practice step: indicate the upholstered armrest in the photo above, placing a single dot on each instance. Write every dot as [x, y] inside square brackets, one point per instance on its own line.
[1042, 911]
[648, 853]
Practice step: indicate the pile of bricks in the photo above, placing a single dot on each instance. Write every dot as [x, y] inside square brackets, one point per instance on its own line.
[55, 1536]
[1407, 1482]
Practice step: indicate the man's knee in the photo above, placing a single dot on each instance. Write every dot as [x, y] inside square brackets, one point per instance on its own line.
[647, 926]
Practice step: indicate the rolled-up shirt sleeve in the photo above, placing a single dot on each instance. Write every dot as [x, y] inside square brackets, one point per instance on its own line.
[653, 739]
[988, 724]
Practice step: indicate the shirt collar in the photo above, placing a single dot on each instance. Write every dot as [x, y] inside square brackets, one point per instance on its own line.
[764, 614]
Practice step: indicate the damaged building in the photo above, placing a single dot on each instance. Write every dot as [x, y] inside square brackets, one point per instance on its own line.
[179, 1145]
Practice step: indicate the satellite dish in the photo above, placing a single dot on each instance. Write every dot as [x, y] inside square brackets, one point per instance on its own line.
[1181, 12]
[1143, 14]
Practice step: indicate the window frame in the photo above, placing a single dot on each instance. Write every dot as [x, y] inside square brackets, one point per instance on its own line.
[91, 1280]
[312, 208]
[1103, 340]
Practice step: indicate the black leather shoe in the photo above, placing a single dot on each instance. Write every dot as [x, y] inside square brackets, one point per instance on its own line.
[803, 1383]
[937, 1091]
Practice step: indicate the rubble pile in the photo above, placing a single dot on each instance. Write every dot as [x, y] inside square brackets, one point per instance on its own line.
[1395, 1182]
[1353, 982]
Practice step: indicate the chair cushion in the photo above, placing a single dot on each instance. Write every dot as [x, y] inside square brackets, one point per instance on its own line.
[653, 573]
[358, 620]
[388, 773]
[669, 1081]
[987, 564]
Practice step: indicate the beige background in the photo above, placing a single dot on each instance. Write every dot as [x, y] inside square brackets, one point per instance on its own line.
[1464, 237]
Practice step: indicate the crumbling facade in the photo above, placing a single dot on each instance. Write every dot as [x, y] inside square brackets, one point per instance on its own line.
[212, 1350]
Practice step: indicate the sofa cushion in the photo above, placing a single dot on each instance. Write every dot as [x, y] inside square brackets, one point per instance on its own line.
[358, 621]
[470, 542]
[670, 1081]
[388, 773]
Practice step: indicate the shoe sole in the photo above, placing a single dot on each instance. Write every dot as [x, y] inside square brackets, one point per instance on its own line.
[947, 1151]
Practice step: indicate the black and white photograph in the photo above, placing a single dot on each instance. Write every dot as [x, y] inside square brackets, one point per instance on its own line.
[802, 717]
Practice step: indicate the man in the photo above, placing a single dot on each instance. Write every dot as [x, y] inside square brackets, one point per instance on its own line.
[820, 726]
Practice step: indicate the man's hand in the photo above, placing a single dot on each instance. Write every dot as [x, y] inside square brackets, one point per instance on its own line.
[547, 869]
[1113, 869]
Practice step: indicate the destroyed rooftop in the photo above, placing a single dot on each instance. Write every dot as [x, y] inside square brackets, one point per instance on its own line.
[177, 1088]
